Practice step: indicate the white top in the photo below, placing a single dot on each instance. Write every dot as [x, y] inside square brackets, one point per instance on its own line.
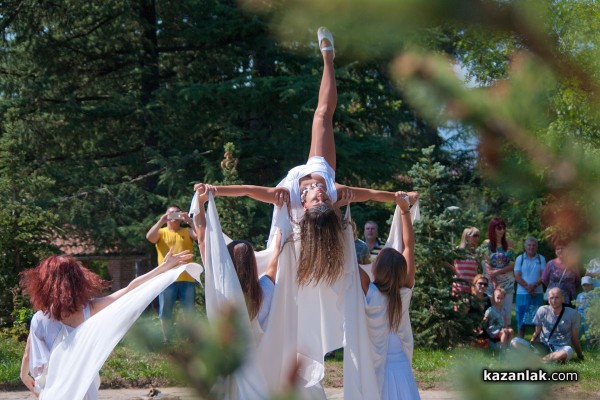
[531, 270]
[46, 335]
[315, 165]
[268, 288]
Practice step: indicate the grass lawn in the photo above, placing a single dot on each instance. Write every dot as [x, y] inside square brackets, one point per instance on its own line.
[133, 366]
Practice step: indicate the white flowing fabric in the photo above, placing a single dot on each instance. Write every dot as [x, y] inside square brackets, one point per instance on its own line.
[222, 291]
[305, 323]
[376, 309]
[76, 361]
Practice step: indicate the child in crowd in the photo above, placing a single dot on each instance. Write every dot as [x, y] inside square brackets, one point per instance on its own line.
[497, 322]
[583, 301]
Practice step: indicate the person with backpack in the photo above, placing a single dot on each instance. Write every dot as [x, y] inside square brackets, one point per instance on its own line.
[528, 274]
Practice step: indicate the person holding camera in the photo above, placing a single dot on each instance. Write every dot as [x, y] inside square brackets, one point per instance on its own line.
[178, 238]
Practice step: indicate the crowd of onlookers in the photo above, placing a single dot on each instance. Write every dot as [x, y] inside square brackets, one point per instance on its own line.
[491, 277]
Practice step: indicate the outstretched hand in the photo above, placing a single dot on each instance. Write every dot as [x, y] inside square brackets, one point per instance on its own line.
[202, 190]
[282, 195]
[402, 200]
[413, 197]
[344, 197]
[173, 260]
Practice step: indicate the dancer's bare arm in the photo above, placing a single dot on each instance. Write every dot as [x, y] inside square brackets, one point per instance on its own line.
[170, 261]
[360, 195]
[271, 270]
[276, 195]
[25, 377]
[408, 235]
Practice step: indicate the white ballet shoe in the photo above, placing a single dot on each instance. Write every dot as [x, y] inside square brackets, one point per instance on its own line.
[323, 33]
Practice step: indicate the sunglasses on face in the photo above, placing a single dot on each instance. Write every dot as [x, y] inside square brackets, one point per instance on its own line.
[482, 284]
[500, 228]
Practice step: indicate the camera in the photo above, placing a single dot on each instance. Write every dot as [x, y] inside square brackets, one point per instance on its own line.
[174, 216]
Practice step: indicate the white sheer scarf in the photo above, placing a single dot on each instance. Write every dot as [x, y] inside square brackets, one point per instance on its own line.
[76, 361]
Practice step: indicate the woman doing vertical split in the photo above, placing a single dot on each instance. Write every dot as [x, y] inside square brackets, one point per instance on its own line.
[313, 195]
[388, 299]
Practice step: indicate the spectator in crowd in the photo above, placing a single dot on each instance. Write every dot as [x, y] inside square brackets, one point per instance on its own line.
[528, 274]
[558, 274]
[562, 337]
[497, 321]
[583, 301]
[374, 244]
[593, 271]
[465, 268]
[499, 263]
[362, 251]
[178, 238]
[478, 305]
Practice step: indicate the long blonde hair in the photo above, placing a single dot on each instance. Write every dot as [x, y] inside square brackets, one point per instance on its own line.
[321, 246]
[389, 272]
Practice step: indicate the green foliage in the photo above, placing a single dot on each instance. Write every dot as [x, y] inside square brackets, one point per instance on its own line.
[11, 351]
[592, 320]
[110, 111]
[437, 318]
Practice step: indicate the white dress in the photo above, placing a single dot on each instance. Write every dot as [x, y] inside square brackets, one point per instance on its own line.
[74, 363]
[394, 349]
[46, 335]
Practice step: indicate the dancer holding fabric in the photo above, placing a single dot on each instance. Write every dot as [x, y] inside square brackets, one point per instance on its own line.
[387, 302]
[318, 300]
[64, 293]
[258, 292]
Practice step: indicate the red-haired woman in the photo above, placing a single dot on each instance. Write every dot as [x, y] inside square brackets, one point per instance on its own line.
[66, 294]
[499, 262]
[388, 298]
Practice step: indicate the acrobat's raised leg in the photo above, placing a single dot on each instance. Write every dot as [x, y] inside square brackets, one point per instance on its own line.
[322, 142]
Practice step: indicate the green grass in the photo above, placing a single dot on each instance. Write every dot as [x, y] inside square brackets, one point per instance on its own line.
[432, 367]
[135, 365]
[11, 352]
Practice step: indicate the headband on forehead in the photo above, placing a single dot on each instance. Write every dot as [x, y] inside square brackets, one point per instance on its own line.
[305, 190]
[320, 209]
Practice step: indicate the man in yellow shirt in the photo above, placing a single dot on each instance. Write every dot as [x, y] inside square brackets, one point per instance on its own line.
[178, 238]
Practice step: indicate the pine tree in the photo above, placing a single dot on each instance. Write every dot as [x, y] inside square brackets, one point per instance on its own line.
[438, 319]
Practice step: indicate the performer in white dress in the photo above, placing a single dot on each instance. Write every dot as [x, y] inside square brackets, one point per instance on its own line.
[65, 293]
[388, 299]
[258, 292]
[316, 321]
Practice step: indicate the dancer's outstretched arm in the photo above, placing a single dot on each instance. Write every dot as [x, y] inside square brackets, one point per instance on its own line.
[276, 195]
[359, 195]
[170, 261]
